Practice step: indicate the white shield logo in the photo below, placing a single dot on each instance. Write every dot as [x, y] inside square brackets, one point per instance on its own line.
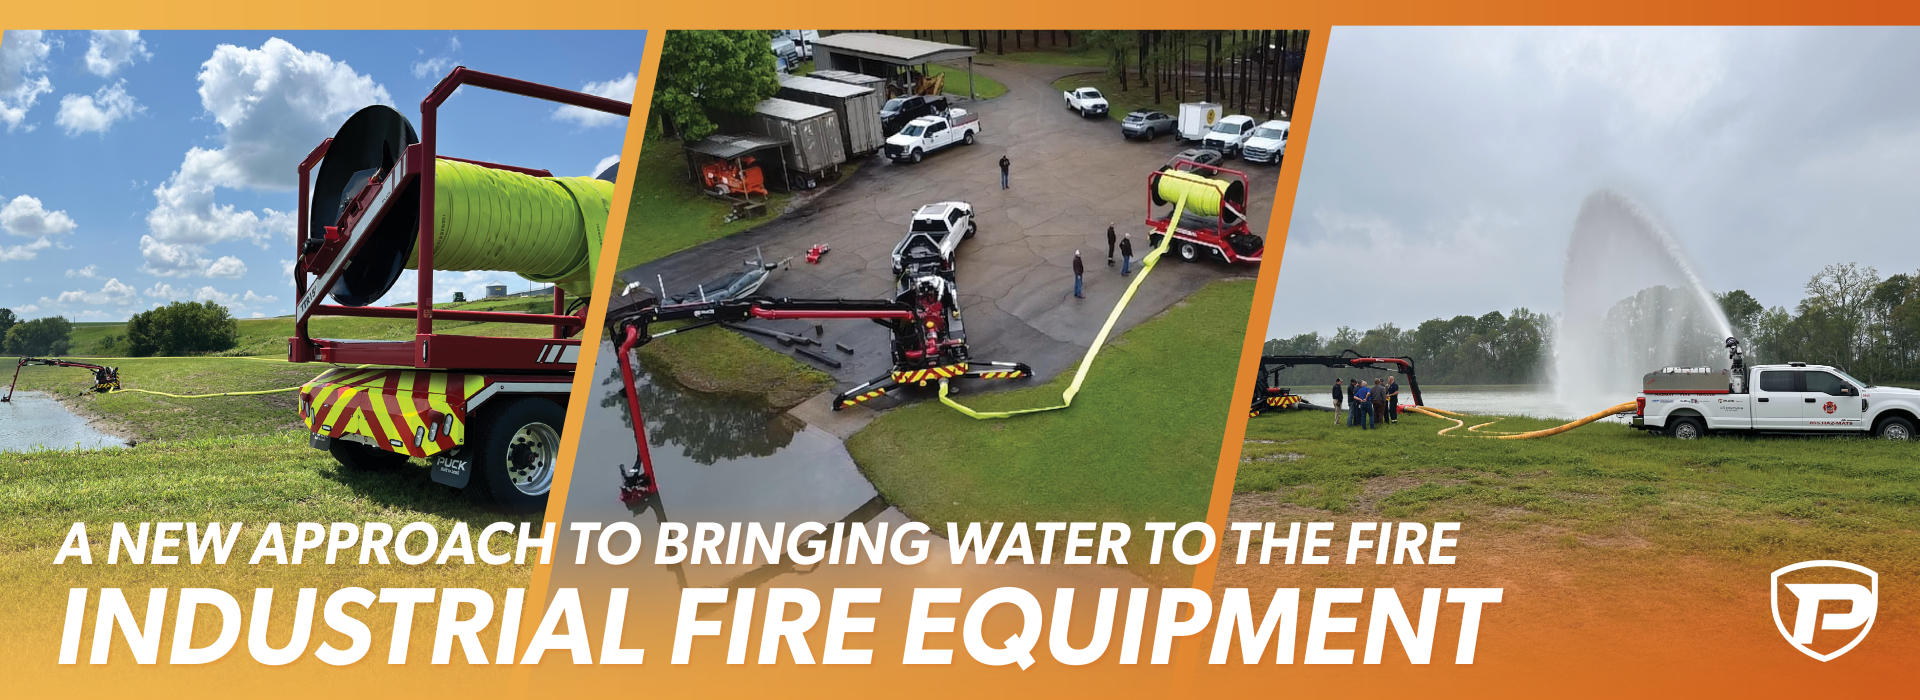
[1807, 617]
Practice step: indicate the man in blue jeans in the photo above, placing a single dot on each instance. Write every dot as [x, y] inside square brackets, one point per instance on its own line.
[1363, 407]
[1005, 165]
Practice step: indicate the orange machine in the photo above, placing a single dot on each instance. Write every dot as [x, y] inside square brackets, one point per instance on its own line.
[739, 176]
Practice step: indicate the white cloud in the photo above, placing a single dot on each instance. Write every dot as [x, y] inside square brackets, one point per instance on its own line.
[162, 293]
[602, 165]
[273, 104]
[23, 53]
[25, 216]
[24, 251]
[227, 266]
[431, 66]
[108, 51]
[185, 260]
[91, 272]
[113, 292]
[80, 114]
[617, 89]
[28, 309]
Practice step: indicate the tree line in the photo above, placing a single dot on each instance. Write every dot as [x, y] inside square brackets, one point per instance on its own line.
[179, 328]
[1248, 71]
[1496, 348]
[1849, 317]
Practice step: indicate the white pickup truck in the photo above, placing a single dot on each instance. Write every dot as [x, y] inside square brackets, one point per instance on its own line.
[934, 237]
[1796, 397]
[928, 134]
[1086, 101]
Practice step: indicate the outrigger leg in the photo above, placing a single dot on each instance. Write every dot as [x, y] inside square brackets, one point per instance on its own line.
[996, 370]
[863, 393]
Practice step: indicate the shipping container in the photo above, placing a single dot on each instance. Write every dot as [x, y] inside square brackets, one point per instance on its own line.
[857, 107]
[814, 149]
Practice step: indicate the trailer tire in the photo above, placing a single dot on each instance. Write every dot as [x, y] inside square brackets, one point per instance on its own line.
[1686, 428]
[1188, 251]
[1894, 428]
[363, 458]
[516, 445]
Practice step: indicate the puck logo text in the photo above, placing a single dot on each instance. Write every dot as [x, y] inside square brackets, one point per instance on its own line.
[1849, 605]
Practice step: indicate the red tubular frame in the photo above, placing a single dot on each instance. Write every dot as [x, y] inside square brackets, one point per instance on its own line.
[492, 352]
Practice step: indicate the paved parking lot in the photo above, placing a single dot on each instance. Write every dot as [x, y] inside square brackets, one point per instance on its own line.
[1071, 176]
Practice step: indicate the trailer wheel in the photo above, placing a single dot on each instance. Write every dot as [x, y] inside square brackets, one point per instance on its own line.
[1895, 428]
[364, 458]
[1687, 428]
[1189, 251]
[516, 450]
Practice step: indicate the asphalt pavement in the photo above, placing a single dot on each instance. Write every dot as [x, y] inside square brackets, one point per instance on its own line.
[1070, 177]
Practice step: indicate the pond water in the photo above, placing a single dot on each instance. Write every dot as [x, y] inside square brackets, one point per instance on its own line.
[1536, 402]
[34, 420]
[718, 459]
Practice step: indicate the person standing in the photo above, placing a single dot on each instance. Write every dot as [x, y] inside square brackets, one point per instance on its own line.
[1353, 385]
[1110, 243]
[1393, 400]
[1005, 165]
[1363, 406]
[1079, 269]
[1379, 402]
[1337, 395]
[1126, 254]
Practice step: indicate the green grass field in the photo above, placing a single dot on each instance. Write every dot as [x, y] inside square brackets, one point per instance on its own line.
[147, 417]
[268, 336]
[1140, 443]
[721, 361]
[956, 82]
[668, 215]
[1732, 494]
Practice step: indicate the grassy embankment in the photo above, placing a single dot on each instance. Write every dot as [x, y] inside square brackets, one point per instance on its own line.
[1732, 495]
[268, 336]
[1139, 444]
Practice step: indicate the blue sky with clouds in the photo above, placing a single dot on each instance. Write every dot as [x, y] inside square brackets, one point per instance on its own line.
[138, 168]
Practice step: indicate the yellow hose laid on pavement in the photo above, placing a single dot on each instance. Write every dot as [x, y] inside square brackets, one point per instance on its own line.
[1211, 191]
[1528, 435]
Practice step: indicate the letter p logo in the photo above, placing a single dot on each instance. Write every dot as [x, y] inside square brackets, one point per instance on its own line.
[1862, 603]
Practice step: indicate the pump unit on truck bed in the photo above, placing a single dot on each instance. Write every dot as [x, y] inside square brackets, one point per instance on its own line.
[384, 200]
[1795, 397]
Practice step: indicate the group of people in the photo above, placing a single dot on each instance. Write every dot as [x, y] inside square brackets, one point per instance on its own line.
[1122, 242]
[1369, 405]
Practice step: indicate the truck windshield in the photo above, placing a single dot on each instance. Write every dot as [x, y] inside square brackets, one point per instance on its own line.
[1227, 128]
[913, 130]
[1090, 94]
[894, 104]
[1851, 378]
[1269, 134]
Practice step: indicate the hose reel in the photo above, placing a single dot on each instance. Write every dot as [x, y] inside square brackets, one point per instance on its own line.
[545, 229]
[1222, 198]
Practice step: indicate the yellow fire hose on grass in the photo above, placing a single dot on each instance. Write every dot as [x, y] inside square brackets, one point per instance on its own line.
[1627, 407]
[1208, 199]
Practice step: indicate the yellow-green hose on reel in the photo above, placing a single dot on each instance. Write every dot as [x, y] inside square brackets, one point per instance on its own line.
[546, 229]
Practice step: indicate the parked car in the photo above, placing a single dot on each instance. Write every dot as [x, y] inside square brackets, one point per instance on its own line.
[928, 134]
[1201, 156]
[1228, 134]
[1086, 101]
[899, 111]
[1146, 124]
[1267, 143]
[934, 236]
